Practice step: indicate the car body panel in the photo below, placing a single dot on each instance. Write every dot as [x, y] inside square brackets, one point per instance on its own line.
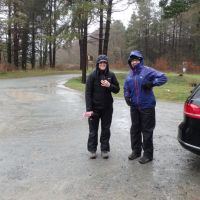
[189, 128]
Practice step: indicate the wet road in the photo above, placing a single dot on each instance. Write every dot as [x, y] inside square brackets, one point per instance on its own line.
[43, 152]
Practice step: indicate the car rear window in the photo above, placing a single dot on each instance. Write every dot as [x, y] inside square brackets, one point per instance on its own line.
[196, 97]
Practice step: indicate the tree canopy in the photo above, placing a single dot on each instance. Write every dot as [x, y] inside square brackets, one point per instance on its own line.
[31, 32]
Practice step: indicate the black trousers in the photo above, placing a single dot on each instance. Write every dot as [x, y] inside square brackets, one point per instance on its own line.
[105, 116]
[141, 132]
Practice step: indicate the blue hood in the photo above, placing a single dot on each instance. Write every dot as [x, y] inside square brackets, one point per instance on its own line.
[136, 54]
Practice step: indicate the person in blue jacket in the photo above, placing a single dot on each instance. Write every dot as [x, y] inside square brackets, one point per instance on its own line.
[138, 93]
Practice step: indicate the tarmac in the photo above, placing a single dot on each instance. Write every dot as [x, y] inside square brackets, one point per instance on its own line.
[43, 149]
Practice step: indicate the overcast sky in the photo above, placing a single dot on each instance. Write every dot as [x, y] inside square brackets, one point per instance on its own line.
[122, 12]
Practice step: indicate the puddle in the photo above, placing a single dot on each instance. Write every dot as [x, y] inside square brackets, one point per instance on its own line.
[24, 96]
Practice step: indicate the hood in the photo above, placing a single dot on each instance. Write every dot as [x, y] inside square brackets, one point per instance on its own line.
[102, 58]
[137, 54]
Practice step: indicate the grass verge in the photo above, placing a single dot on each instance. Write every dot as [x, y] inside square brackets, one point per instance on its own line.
[176, 89]
[31, 73]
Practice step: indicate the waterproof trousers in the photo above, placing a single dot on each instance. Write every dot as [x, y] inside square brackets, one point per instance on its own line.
[105, 116]
[141, 132]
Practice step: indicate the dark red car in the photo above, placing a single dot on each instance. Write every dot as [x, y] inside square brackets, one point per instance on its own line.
[189, 129]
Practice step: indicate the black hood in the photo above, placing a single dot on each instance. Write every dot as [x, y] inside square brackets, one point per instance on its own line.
[102, 58]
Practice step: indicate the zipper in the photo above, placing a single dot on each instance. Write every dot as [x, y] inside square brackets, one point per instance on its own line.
[136, 89]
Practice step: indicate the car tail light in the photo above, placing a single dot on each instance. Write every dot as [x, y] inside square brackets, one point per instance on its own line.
[192, 110]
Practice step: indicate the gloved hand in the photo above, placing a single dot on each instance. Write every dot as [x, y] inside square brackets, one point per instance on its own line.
[148, 85]
[128, 101]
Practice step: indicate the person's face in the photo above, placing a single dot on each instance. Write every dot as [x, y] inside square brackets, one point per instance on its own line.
[134, 62]
[102, 65]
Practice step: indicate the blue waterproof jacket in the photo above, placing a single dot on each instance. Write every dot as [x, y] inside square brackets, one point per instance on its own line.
[134, 89]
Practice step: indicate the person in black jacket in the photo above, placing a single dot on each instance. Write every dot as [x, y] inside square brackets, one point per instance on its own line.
[99, 105]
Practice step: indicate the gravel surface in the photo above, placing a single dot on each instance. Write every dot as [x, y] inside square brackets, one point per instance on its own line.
[43, 154]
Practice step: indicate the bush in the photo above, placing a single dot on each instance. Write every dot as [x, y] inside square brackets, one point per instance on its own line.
[161, 64]
[6, 68]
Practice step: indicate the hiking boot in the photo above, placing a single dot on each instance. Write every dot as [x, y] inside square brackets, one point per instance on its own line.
[104, 155]
[93, 155]
[134, 155]
[144, 160]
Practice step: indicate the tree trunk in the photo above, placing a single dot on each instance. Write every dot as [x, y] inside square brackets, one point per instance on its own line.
[160, 40]
[24, 45]
[101, 28]
[45, 52]
[9, 43]
[33, 42]
[84, 52]
[83, 49]
[50, 33]
[107, 31]
[146, 40]
[41, 53]
[81, 46]
[180, 37]
[16, 39]
[173, 34]
[54, 40]
[83, 31]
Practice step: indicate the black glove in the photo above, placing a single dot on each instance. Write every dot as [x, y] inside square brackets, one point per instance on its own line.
[128, 101]
[148, 85]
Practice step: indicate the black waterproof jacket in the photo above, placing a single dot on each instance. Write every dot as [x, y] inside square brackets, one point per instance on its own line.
[96, 96]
